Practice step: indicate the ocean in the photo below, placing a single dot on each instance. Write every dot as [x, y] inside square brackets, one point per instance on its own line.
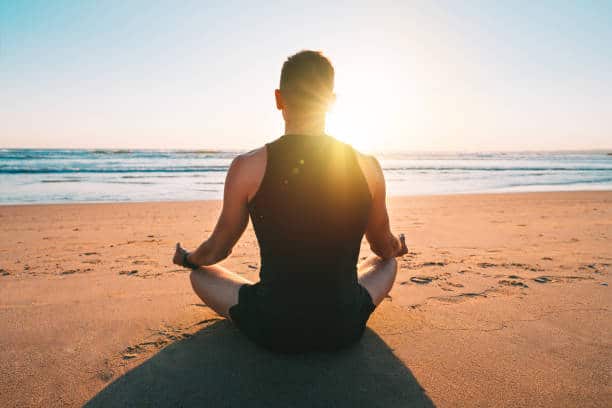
[63, 176]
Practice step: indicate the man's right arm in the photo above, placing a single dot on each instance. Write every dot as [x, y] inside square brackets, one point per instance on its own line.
[378, 233]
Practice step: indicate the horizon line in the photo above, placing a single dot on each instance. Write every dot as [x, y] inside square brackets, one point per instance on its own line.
[238, 150]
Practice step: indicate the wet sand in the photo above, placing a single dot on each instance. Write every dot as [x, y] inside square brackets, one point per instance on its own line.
[502, 301]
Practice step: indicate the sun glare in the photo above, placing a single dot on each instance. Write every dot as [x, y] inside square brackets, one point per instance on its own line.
[366, 110]
[353, 122]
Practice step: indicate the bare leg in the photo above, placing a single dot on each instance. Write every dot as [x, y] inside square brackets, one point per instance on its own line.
[377, 276]
[217, 287]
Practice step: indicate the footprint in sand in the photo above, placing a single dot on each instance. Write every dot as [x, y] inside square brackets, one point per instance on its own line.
[512, 283]
[595, 268]
[170, 334]
[487, 265]
[162, 338]
[421, 280]
[106, 375]
[131, 352]
[71, 271]
[3, 272]
[431, 263]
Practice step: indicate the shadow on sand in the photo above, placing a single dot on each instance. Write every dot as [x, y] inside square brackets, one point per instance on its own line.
[219, 367]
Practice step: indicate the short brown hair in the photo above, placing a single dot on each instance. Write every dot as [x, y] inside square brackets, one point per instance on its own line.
[307, 80]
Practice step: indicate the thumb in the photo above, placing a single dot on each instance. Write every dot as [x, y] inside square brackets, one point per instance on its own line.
[402, 240]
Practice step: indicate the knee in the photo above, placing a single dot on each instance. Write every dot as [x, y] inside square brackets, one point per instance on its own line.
[385, 266]
[194, 276]
[392, 265]
[387, 262]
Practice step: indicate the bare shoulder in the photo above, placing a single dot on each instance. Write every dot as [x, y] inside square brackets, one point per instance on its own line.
[247, 170]
[370, 167]
[369, 162]
[251, 159]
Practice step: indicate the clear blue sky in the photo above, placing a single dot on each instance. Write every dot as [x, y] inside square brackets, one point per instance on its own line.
[417, 76]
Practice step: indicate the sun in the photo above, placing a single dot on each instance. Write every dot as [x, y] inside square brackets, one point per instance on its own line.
[379, 106]
[366, 112]
[354, 123]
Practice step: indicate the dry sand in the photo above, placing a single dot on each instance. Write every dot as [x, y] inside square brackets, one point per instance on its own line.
[509, 307]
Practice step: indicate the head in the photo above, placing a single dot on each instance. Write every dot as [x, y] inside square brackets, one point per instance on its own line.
[306, 88]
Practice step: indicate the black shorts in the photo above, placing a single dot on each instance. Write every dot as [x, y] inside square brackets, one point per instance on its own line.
[287, 329]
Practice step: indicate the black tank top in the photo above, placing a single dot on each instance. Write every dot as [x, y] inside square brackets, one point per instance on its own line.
[310, 214]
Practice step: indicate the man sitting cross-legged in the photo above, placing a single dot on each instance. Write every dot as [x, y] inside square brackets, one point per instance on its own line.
[311, 199]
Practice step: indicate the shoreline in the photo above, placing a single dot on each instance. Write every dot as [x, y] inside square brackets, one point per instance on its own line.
[604, 151]
[390, 197]
[48, 177]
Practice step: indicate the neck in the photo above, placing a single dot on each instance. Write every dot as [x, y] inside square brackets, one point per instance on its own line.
[305, 126]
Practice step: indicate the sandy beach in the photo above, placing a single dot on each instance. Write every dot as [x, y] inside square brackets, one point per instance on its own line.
[503, 301]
